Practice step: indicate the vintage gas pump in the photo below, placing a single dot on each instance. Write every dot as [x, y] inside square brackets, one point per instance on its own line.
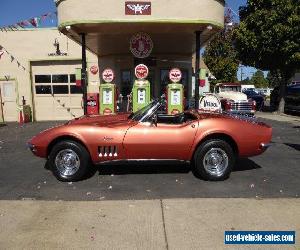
[108, 93]
[175, 93]
[141, 88]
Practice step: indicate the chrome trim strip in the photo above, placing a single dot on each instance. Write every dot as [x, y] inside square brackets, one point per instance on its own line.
[141, 160]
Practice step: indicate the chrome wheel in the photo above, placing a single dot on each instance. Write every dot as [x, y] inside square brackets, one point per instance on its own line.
[215, 161]
[67, 162]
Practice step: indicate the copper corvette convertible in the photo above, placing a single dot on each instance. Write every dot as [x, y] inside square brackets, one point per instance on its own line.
[210, 141]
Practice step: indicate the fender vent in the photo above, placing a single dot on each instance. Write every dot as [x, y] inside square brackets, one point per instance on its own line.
[107, 151]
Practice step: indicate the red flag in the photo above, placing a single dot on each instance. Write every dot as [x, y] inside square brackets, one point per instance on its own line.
[1, 54]
[43, 17]
[25, 23]
[34, 22]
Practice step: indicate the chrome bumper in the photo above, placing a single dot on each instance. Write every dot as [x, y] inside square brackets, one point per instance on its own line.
[265, 146]
[31, 147]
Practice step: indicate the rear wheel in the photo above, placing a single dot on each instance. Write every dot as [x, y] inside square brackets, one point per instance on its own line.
[69, 161]
[214, 160]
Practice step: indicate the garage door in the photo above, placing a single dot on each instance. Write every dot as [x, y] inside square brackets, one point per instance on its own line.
[56, 96]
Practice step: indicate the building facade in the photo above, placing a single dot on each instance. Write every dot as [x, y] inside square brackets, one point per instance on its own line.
[50, 56]
[32, 69]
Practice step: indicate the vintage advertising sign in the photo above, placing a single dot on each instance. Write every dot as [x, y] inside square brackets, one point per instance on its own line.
[137, 8]
[141, 71]
[78, 77]
[94, 69]
[108, 75]
[141, 45]
[175, 75]
[210, 102]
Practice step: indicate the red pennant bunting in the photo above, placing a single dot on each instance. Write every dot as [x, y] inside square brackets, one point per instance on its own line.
[33, 22]
[1, 54]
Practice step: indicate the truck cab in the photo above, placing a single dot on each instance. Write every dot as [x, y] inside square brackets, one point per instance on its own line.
[233, 100]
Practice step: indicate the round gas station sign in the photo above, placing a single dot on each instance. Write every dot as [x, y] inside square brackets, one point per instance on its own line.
[175, 75]
[141, 45]
[94, 69]
[211, 103]
[108, 75]
[141, 71]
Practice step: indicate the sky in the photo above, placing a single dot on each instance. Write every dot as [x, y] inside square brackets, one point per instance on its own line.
[14, 11]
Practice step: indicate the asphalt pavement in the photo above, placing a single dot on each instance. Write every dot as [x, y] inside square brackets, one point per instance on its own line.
[274, 174]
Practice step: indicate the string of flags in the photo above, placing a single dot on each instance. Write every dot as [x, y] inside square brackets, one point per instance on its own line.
[12, 57]
[34, 22]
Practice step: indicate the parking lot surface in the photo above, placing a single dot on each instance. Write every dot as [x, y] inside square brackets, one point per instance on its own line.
[275, 173]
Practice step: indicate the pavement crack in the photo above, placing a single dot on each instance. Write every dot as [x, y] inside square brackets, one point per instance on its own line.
[164, 224]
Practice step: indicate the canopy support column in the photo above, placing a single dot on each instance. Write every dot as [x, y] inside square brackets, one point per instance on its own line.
[197, 69]
[84, 73]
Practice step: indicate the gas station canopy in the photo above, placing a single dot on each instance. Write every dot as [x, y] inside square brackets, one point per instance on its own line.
[109, 24]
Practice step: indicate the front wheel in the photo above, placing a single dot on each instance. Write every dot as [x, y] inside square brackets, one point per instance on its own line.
[69, 161]
[214, 160]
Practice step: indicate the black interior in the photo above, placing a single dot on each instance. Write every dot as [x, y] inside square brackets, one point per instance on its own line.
[175, 119]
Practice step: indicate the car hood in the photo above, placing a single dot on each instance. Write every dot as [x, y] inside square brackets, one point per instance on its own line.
[256, 97]
[235, 96]
[100, 119]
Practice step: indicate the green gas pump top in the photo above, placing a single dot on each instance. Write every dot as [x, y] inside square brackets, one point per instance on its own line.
[107, 93]
[141, 88]
[175, 92]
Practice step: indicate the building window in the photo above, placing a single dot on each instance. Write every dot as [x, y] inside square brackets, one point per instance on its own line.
[43, 89]
[60, 89]
[72, 78]
[75, 89]
[164, 80]
[126, 82]
[42, 78]
[60, 78]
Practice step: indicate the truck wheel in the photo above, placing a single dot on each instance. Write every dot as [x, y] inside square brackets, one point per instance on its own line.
[69, 161]
[214, 160]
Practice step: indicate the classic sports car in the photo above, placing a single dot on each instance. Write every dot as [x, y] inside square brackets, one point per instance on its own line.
[211, 142]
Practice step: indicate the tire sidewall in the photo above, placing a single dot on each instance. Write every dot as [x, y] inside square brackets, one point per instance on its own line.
[199, 169]
[79, 150]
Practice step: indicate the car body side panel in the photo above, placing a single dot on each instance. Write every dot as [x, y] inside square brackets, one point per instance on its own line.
[92, 136]
[248, 136]
[166, 141]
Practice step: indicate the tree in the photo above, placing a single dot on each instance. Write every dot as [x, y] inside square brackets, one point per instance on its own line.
[246, 81]
[268, 38]
[220, 56]
[258, 80]
[273, 79]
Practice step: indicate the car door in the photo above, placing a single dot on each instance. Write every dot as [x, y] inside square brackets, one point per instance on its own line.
[164, 141]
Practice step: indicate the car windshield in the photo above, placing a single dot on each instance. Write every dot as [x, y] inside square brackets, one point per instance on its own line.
[230, 88]
[138, 115]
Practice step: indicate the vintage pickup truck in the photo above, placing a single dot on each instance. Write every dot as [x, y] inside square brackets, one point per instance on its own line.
[233, 100]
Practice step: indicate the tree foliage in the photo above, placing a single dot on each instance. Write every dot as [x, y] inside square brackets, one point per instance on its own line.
[258, 80]
[268, 37]
[221, 58]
